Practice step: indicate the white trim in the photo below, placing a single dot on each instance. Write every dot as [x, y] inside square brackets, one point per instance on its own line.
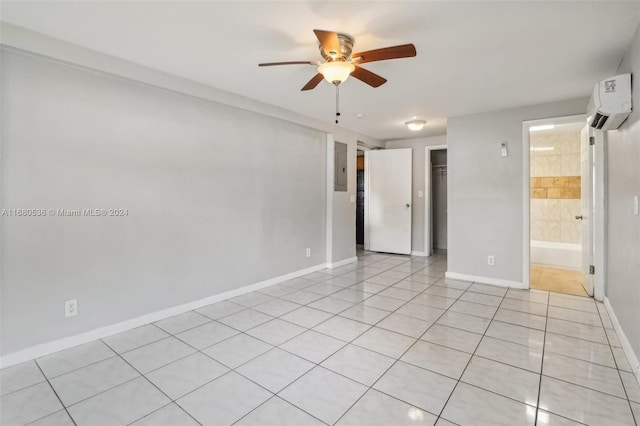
[428, 198]
[599, 223]
[342, 262]
[329, 198]
[485, 280]
[632, 357]
[526, 206]
[418, 253]
[526, 187]
[98, 333]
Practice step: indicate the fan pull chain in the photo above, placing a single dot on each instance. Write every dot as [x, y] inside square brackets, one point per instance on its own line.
[337, 103]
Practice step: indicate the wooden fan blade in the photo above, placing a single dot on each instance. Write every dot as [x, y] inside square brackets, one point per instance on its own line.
[393, 52]
[372, 79]
[270, 64]
[313, 82]
[329, 42]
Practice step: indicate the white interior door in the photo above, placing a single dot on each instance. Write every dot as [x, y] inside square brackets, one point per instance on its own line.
[586, 215]
[388, 204]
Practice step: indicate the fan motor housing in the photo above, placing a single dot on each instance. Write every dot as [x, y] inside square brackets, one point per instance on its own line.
[346, 47]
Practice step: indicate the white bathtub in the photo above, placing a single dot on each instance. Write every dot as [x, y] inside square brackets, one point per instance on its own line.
[566, 255]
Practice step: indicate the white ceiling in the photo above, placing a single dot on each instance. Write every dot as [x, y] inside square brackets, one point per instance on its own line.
[472, 56]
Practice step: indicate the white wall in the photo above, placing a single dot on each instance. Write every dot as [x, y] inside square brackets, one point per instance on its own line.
[623, 230]
[485, 190]
[418, 146]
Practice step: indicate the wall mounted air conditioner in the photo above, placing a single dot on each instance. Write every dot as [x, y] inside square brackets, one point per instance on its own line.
[610, 104]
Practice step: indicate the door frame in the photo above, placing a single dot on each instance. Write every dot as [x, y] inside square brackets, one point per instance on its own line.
[598, 221]
[428, 199]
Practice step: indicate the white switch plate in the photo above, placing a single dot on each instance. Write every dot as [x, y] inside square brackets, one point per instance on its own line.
[420, 194]
[635, 204]
[71, 308]
[308, 252]
[491, 261]
[352, 198]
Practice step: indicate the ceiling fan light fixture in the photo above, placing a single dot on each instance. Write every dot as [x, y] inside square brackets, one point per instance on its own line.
[415, 125]
[336, 72]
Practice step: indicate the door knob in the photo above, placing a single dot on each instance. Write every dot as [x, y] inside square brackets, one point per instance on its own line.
[408, 205]
[579, 217]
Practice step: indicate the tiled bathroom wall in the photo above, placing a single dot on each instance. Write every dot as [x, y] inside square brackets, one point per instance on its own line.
[555, 188]
[557, 155]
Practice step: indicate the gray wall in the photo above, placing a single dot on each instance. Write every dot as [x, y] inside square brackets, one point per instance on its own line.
[623, 231]
[213, 195]
[485, 190]
[417, 219]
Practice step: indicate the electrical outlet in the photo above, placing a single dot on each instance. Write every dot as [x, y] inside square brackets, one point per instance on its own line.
[308, 252]
[71, 308]
[491, 260]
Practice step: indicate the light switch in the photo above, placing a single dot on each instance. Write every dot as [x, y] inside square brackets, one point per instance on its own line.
[420, 194]
[635, 204]
[503, 149]
[352, 197]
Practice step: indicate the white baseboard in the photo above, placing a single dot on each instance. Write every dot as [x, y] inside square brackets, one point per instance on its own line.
[485, 280]
[342, 262]
[632, 357]
[98, 333]
[418, 253]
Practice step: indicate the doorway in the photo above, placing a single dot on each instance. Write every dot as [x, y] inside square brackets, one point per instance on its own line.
[360, 194]
[556, 203]
[563, 206]
[439, 200]
[435, 200]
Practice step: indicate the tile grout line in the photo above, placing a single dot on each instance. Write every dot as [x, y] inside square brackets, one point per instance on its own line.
[544, 344]
[275, 395]
[55, 393]
[79, 368]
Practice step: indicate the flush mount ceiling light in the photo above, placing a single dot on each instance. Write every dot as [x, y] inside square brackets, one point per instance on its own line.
[415, 125]
[336, 72]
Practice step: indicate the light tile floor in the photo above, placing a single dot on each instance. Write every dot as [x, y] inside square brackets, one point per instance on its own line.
[384, 341]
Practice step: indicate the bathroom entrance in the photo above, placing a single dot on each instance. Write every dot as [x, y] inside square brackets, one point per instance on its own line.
[560, 203]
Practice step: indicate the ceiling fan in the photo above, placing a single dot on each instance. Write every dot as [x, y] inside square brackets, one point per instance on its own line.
[338, 61]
